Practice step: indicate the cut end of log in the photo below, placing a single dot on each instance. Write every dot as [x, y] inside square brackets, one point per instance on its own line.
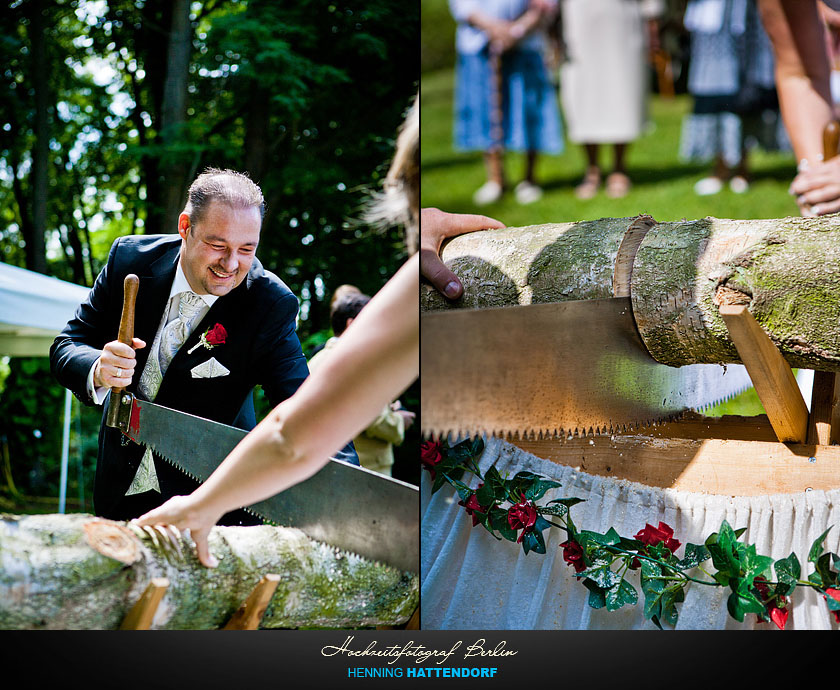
[113, 540]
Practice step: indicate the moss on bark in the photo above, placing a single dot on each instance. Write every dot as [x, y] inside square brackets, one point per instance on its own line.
[52, 578]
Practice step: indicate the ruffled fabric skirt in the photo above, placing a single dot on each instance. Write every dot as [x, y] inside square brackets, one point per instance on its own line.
[470, 580]
[530, 118]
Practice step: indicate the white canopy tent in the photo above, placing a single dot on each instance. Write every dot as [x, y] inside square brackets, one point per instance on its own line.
[33, 309]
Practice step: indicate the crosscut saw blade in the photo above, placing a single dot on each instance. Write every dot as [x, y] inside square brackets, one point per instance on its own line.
[575, 367]
[346, 506]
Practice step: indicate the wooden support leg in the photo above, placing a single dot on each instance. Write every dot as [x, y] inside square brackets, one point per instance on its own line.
[824, 421]
[141, 614]
[770, 373]
[413, 623]
[250, 614]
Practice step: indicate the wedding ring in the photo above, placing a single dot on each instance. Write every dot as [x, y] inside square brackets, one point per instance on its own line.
[119, 373]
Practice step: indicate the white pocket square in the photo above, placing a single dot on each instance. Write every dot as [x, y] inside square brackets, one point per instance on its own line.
[209, 369]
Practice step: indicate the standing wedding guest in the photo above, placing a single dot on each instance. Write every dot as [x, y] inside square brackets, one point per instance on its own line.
[604, 82]
[504, 99]
[731, 77]
[211, 323]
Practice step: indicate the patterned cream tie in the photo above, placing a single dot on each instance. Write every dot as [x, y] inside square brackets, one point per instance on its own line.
[164, 348]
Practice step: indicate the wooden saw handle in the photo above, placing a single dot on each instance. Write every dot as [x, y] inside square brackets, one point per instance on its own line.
[131, 284]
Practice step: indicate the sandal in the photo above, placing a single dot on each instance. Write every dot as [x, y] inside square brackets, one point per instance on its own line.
[590, 185]
[618, 185]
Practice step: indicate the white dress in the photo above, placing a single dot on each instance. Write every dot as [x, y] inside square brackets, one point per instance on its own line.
[604, 81]
[469, 580]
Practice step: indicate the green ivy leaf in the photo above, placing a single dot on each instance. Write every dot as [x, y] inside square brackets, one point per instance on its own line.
[741, 603]
[498, 520]
[601, 574]
[611, 538]
[695, 554]
[788, 571]
[568, 502]
[533, 541]
[817, 547]
[827, 575]
[597, 596]
[485, 495]
[494, 480]
[652, 590]
[670, 597]
[537, 490]
[620, 594]
[477, 446]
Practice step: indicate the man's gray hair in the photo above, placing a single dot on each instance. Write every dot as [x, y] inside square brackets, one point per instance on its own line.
[232, 188]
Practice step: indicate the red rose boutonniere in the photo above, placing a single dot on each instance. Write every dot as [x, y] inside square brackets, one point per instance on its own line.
[210, 338]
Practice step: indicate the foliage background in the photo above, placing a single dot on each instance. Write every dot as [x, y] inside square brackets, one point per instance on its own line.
[109, 108]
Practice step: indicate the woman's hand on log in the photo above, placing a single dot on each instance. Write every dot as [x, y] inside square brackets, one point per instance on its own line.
[435, 227]
[817, 189]
[184, 513]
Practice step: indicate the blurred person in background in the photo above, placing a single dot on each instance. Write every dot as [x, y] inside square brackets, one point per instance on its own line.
[604, 81]
[731, 77]
[374, 445]
[504, 99]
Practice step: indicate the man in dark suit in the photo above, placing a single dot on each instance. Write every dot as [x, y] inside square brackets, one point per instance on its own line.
[211, 323]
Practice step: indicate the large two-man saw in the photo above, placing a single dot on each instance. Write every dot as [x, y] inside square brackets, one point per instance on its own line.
[343, 505]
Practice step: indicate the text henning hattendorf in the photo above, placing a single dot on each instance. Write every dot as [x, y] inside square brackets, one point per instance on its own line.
[418, 651]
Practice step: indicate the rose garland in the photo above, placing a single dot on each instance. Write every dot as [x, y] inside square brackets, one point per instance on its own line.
[509, 509]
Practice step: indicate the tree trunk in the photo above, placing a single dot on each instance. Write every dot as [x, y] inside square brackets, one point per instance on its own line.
[174, 112]
[34, 235]
[787, 271]
[79, 572]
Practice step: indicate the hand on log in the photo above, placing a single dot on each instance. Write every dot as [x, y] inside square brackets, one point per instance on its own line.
[437, 226]
[184, 514]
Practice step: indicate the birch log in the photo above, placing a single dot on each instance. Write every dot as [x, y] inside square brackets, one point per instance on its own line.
[677, 274]
[81, 572]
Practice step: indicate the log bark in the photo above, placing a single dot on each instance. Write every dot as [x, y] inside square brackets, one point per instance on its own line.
[787, 271]
[80, 572]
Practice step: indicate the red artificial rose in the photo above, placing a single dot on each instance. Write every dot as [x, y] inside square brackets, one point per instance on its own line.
[216, 335]
[472, 507]
[573, 555]
[522, 516]
[663, 534]
[430, 455]
[779, 616]
[834, 594]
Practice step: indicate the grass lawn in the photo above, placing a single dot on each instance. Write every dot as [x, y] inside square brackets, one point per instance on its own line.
[663, 185]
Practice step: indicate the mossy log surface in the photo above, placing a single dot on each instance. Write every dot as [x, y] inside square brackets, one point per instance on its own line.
[80, 572]
[787, 271]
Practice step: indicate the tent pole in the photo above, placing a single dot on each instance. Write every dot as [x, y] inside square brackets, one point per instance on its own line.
[65, 450]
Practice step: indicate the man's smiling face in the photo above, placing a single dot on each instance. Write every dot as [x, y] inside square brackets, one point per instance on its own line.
[217, 252]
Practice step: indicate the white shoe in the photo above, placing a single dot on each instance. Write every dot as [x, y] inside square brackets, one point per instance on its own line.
[739, 184]
[487, 193]
[708, 186]
[527, 193]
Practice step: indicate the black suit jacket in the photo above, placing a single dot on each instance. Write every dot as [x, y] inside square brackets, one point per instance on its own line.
[261, 347]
